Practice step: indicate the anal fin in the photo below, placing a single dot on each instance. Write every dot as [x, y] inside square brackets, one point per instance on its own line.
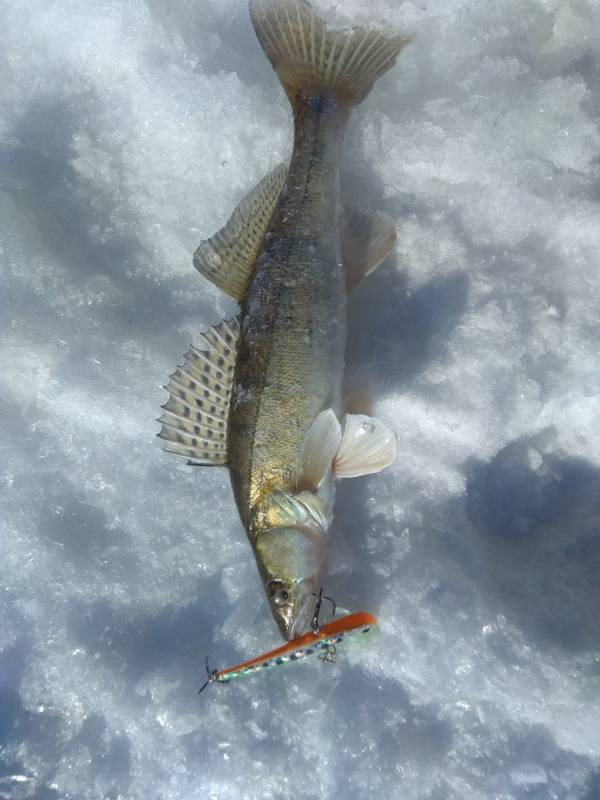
[227, 259]
[367, 240]
[194, 424]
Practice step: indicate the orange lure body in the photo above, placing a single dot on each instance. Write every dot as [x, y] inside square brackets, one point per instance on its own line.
[308, 644]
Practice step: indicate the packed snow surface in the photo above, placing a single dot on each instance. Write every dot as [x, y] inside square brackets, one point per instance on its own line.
[128, 132]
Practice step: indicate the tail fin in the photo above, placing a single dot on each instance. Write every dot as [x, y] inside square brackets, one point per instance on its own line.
[310, 58]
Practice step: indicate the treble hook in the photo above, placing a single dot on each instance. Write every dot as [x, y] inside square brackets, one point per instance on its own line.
[329, 654]
[314, 623]
[211, 675]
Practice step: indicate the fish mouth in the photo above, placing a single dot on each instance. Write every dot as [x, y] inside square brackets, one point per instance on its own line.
[303, 620]
[295, 617]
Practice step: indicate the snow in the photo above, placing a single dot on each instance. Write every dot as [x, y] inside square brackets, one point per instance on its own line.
[128, 132]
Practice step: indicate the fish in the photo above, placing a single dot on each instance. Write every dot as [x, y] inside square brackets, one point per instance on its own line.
[264, 396]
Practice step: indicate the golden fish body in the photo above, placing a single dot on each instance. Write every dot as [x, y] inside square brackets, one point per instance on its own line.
[265, 399]
[291, 349]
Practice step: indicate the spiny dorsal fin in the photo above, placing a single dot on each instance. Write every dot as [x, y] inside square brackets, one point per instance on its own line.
[367, 239]
[195, 418]
[227, 258]
[312, 59]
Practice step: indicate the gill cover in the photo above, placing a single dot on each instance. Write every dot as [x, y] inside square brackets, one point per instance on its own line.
[289, 555]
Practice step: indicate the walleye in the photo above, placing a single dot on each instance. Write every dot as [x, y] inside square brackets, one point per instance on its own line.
[265, 398]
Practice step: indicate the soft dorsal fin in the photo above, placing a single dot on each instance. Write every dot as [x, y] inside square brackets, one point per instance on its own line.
[227, 259]
[367, 240]
[195, 418]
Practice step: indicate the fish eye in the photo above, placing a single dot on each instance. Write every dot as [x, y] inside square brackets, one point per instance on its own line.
[281, 597]
[277, 593]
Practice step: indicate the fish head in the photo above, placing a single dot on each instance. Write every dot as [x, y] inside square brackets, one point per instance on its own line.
[290, 558]
[290, 561]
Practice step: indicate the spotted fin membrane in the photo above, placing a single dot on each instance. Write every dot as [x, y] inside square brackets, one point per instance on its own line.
[195, 420]
[315, 643]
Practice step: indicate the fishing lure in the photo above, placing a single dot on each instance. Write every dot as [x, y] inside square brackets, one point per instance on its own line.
[322, 641]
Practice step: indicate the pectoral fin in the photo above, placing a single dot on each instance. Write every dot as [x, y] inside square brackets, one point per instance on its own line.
[367, 446]
[296, 510]
[227, 259]
[367, 240]
[195, 418]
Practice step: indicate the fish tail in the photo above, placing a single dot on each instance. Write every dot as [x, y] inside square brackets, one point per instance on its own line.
[313, 60]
